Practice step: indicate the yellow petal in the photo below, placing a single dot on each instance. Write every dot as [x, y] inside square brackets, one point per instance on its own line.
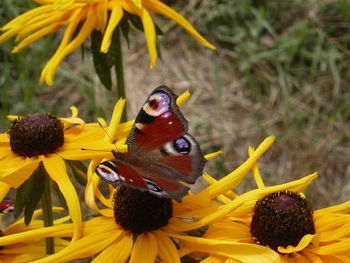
[248, 253]
[84, 247]
[213, 155]
[228, 230]
[49, 71]
[311, 257]
[138, 3]
[56, 168]
[158, 7]
[36, 36]
[53, 231]
[145, 248]
[166, 248]
[234, 178]
[303, 243]
[210, 180]
[183, 98]
[115, 17]
[342, 208]
[256, 174]
[115, 120]
[21, 169]
[4, 189]
[117, 252]
[335, 248]
[214, 259]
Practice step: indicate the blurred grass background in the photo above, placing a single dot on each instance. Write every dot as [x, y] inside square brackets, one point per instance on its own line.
[281, 68]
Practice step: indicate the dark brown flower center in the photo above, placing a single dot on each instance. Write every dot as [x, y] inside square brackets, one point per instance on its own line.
[282, 219]
[36, 134]
[139, 211]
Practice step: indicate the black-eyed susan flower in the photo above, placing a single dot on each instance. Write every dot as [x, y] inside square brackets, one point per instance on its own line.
[142, 227]
[45, 139]
[281, 219]
[30, 250]
[80, 18]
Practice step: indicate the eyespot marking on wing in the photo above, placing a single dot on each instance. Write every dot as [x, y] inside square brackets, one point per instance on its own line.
[152, 186]
[157, 104]
[181, 145]
[107, 173]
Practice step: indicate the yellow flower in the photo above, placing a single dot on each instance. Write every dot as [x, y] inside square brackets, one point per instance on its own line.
[27, 251]
[45, 139]
[326, 237]
[133, 222]
[101, 15]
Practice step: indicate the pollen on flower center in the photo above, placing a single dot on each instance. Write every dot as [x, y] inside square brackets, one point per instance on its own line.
[282, 219]
[139, 211]
[36, 134]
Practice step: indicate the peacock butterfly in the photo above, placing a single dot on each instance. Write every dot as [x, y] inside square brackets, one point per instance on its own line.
[162, 157]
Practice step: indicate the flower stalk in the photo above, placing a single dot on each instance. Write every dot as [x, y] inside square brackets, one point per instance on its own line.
[119, 70]
[46, 203]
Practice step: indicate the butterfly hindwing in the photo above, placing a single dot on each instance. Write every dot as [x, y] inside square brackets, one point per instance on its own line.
[117, 172]
[184, 155]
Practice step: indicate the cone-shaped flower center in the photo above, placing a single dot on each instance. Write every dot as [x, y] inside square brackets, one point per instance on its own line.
[282, 219]
[36, 134]
[139, 211]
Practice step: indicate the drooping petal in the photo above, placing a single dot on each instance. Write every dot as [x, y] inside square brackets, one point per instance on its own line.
[158, 7]
[148, 27]
[56, 168]
[49, 71]
[115, 17]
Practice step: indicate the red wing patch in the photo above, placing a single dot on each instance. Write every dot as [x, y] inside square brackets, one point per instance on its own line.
[161, 130]
[182, 164]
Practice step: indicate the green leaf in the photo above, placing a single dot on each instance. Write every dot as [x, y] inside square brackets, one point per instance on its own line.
[78, 168]
[28, 195]
[102, 62]
[60, 196]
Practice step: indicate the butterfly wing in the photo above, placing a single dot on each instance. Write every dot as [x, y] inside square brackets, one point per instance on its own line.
[118, 172]
[162, 155]
[158, 122]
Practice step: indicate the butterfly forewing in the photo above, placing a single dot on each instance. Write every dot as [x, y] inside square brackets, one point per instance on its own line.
[158, 122]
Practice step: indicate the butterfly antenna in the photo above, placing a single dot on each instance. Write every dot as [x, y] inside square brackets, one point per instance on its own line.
[109, 137]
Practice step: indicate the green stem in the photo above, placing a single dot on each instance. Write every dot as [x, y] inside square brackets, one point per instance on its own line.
[119, 70]
[48, 215]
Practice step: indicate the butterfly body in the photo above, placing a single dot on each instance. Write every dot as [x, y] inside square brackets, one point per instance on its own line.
[162, 157]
